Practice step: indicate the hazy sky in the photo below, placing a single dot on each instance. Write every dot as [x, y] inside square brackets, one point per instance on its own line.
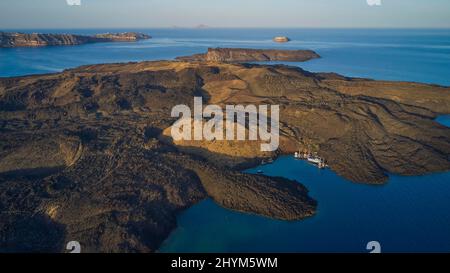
[223, 13]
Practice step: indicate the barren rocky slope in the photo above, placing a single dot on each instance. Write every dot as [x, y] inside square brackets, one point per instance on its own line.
[83, 155]
[32, 40]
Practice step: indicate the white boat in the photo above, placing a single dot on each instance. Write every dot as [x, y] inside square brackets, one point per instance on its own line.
[315, 160]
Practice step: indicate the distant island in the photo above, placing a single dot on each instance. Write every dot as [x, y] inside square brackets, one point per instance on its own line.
[16, 39]
[238, 55]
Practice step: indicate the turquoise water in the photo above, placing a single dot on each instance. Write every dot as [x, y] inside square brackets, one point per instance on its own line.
[408, 214]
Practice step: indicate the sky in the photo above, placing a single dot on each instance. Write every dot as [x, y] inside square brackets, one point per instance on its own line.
[23, 14]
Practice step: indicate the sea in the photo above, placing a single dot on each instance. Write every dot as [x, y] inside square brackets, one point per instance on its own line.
[407, 214]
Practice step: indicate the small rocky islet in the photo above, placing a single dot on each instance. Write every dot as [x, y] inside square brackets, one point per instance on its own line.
[85, 155]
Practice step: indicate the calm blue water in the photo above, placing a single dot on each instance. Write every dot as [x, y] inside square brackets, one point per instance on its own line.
[411, 55]
[445, 120]
[407, 214]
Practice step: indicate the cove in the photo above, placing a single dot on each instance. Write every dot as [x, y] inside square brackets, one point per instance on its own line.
[408, 214]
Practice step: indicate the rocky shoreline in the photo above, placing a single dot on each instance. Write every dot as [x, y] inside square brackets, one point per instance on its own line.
[84, 155]
[16, 39]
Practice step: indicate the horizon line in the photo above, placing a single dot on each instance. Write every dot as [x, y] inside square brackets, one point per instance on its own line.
[222, 27]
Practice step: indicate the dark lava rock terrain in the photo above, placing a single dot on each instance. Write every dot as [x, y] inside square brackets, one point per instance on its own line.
[82, 158]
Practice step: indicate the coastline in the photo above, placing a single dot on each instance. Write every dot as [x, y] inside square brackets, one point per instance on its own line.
[332, 44]
[355, 211]
[137, 157]
[125, 64]
[19, 40]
